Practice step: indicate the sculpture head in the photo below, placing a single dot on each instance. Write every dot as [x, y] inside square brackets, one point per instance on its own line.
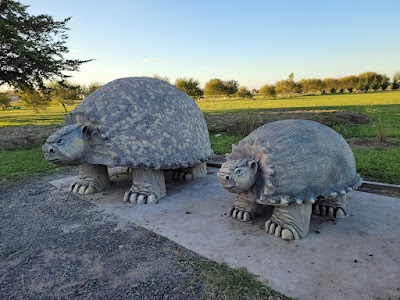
[238, 176]
[67, 146]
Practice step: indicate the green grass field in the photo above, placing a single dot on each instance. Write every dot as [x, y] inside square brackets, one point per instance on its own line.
[19, 164]
[378, 106]
[53, 115]
[381, 164]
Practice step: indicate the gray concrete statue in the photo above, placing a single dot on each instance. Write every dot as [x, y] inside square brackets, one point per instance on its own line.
[142, 123]
[291, 165]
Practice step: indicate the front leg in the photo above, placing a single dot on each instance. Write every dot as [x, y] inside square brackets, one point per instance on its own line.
[92, 179]
[290, 222]
[148, 186]
[245, 210]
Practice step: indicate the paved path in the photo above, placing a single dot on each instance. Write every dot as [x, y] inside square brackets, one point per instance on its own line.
[354, 258]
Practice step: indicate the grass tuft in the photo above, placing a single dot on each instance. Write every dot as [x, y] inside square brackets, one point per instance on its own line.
[381, 129]
[247, 121]
[223, 282]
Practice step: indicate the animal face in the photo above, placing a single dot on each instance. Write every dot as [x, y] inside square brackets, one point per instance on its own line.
[67, 146]
[238, 176]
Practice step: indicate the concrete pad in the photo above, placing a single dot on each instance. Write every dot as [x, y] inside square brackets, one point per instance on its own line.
[357, 257]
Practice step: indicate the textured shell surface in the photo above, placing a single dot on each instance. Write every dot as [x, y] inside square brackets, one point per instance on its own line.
[145, 123]
[308, 160]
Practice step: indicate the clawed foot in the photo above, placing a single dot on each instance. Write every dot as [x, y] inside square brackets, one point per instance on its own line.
[278, 230]
[242, 215]
[86, 185]
[330, 211]
[197, 171]
[183, 176]
[139, 198]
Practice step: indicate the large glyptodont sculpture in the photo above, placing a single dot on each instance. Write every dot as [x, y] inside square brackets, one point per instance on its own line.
[291, 165]
[142, 123]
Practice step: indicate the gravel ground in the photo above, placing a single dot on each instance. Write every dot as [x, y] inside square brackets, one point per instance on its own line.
[54, 245]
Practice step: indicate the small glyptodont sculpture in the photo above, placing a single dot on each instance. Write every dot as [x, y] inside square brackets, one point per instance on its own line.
[142, 123]
[291, 165]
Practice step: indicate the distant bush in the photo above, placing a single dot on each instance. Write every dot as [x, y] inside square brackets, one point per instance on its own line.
[268, 91]
[243, 92]
[5, 101]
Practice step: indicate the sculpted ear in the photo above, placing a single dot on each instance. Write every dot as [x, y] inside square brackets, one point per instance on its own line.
[84, 129]
[253, 165]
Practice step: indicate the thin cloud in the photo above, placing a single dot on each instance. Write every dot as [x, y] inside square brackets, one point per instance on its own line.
[152, 60]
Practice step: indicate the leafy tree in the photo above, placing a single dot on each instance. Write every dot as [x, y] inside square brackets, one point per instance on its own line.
[287, 87]
[190, 86]
[396, 81]
[268, 91]
[87, 90]
[349, 82]
[362, 85]
[215, 88]
[32, 47]
[311, 86]
[385, 82]
[331, 84]
[231, 87]
[63, 92]
[243, 92]
[375, 84]
[34, 99]
[5, 101]
[367, 78]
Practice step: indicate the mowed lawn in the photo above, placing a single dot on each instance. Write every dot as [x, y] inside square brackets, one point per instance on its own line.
[378, 163]
[52, 115]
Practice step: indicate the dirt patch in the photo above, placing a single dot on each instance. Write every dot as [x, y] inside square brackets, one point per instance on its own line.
[231, 123]
[357, 143]
[57, 246]
[24, 136]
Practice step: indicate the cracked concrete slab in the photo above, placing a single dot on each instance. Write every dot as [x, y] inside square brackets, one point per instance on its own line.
[357, 257]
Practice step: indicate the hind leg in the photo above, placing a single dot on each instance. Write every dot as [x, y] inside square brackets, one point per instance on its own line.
[148, 186]
[290, 222]
[197, 171]
[333, 207]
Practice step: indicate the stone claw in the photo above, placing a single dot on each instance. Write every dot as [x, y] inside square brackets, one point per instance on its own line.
[183, 176]
[240, 214]
[278, 230]
[330, 211]
[340, 214]
[138, 198]
[84, 187]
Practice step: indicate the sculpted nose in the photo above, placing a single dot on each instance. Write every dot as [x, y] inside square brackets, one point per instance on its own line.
[47, 148]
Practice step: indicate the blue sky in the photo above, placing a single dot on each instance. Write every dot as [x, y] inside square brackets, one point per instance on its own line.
[253, 42]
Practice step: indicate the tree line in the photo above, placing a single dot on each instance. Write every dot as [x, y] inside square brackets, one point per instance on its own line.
[364, 82]
[216, 88]
[64, 92]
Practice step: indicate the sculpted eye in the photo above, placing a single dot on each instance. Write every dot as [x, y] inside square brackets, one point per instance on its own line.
[60, 141]
[239, 171]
